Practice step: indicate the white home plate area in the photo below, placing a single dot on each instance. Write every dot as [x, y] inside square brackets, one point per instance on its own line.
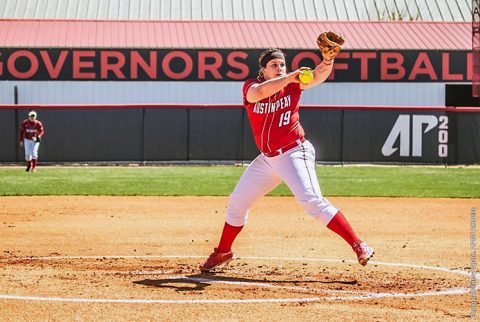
[176, 280]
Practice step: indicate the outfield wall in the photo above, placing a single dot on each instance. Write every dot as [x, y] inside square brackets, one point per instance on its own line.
[163, 132]
[201, 92]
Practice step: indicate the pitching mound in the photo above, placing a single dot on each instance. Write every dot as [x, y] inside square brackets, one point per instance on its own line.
[97, 258]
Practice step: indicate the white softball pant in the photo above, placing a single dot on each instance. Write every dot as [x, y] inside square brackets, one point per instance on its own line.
[31, 149]
[296, 168]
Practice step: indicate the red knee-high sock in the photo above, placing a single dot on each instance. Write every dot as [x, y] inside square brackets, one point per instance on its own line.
[340, 225]
[34, 163]
[228, 236]
[29, 164]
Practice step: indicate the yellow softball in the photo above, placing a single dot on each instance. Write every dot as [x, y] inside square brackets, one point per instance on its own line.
[306, 76]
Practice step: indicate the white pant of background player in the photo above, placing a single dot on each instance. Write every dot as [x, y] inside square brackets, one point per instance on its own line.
[296, 167]
[31, 149]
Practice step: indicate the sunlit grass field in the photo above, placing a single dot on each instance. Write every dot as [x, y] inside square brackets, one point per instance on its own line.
[391, 181]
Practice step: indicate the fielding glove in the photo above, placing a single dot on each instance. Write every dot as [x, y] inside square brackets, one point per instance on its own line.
[330, 44]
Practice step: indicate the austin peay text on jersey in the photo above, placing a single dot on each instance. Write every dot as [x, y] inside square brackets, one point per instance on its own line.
[265, 108]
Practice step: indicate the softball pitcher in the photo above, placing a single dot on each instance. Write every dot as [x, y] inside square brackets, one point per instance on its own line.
[31, 132]
[272, 103]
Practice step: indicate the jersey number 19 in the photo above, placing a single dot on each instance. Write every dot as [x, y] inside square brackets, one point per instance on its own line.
[284, 118]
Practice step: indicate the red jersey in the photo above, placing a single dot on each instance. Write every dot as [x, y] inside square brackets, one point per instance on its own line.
[30, 129]
[275, 120]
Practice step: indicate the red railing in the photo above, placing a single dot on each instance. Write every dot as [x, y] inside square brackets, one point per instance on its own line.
[233, 106]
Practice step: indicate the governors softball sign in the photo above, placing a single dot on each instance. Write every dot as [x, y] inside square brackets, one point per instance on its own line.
[226, 65]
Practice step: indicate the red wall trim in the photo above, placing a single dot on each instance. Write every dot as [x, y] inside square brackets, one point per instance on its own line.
[223, 106]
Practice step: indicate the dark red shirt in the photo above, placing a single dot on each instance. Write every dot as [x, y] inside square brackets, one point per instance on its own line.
[30, 129]
[275, 120]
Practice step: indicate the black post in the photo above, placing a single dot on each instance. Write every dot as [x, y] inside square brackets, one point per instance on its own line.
[143, 137]
[341, 137]
[15, 101]
[15, 95]
[188, 134]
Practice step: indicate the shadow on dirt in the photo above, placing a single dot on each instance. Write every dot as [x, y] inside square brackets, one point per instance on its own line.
[198, 282]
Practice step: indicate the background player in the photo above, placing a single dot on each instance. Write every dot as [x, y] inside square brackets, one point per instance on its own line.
[272, 103]
[31, 132]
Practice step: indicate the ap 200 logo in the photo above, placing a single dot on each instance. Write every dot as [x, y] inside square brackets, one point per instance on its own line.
[417, 126]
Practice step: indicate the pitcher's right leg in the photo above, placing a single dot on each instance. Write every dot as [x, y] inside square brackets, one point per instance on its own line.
[257, 180]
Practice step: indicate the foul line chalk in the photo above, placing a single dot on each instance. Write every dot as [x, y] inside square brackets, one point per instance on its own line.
[354, 296]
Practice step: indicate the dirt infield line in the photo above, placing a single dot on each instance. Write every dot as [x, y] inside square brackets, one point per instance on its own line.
[359, 296]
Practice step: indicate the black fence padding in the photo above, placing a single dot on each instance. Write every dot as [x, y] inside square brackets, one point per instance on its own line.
[166, 134]
[468, 138]
[9, 143]
[223, 134]
[324, 131]
[215, 134]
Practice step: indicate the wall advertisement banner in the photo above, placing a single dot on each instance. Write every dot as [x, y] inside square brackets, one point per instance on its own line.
[226, 65]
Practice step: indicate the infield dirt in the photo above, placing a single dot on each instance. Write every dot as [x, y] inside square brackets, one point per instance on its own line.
[138, 258]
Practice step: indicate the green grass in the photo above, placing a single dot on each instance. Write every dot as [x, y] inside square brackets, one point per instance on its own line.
[220, 181]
